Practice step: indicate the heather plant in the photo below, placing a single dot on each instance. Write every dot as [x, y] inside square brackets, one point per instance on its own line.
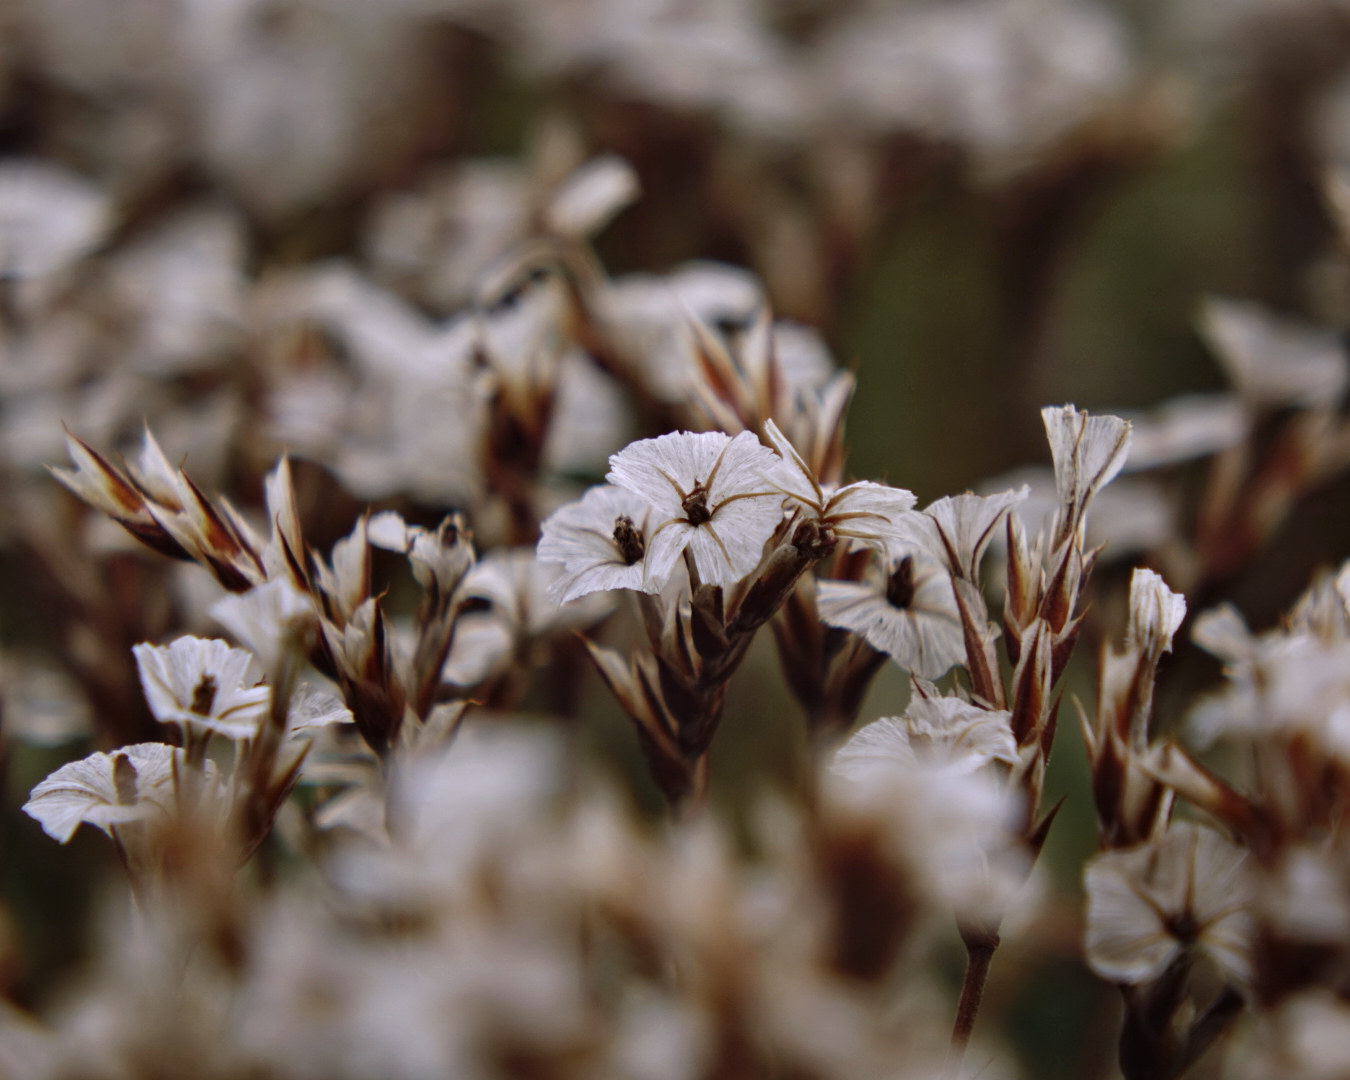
[454, 624]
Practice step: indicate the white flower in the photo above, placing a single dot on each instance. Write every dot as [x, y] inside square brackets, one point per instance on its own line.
[942, 734]
[311, 708]
[709, 494]
[1148, 904]
[203, 685]
[105, 790]
[956, 529]
[1087, 451]
[1271, 362]
[1155, 613]
[955, 828]
[861, 511]
[910, 614]
[439, 556]
[270, 619]
[601, 542]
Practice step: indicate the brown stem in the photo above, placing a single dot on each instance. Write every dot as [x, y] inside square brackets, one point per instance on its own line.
[693, 801]
[979, 952]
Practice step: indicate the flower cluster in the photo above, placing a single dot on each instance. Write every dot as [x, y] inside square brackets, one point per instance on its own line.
[465, 627]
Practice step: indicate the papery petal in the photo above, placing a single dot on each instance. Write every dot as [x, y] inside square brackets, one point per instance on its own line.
[1088, 451]
[870, 512]
[172, 675]
[601, 577]
[741, 470]
[956, 529]
[1192, 876]
[268, 619]
[665, 469]
[665, 545]
[311, 708]
[925, 637]
[591, 195]
[1126, 940]
[938, 733]
[86, 791]
[1156, 612]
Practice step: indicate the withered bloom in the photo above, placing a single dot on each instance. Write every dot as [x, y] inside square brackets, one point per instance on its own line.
[601, 541]
[707, 492]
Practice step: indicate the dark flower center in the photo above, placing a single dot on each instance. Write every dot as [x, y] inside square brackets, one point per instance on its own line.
[695, 505]
[1183, 926]
[628, 539]
[900, 585]
[124, 780]
[204, 696]
[814, 538]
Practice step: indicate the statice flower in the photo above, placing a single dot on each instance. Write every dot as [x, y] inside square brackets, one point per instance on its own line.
[202, 687]
[601, 542]
[937, 732]
[709, 494]
[957, 529]
[978, 866]
[908, 612]
[863, 511]
[106, 790]
[1148, 904]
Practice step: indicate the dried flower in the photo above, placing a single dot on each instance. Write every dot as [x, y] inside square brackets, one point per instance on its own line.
[601, 542]
[202, 687]
[937, 732]
[710, 494]
[1088, 451]
[1149, 904]
[861, 511]
[908, 612]
[956, 530]
[106, 790]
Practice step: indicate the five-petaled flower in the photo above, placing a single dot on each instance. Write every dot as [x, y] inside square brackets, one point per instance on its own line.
[202, 687]
[862, 511]
[709, 494]
[909, 613]
[601, 541]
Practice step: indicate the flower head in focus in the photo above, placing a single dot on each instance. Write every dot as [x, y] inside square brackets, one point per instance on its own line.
[105, 790]
[709, 494]
[863, 511]
[202, 687]
[601, 541]
[910, 614]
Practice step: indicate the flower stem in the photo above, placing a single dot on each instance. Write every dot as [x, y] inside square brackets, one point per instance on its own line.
[979, 952]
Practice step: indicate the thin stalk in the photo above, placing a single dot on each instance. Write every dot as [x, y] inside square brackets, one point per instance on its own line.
[979, 953]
